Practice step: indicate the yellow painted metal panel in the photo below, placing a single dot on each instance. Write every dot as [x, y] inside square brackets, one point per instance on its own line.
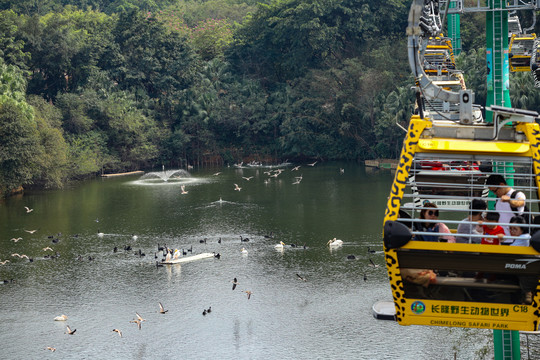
[453, 145]
[467, 314]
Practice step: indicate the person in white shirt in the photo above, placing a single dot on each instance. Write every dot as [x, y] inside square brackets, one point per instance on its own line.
[508, 204]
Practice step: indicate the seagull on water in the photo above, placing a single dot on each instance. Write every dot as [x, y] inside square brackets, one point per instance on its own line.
[184, 192]
[161, 309]
[117, 331]
[69, 331]
[28, 210]
[371, 263]
[237, 188]
[16, 239]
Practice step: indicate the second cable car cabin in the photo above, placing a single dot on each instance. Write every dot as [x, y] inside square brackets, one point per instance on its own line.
[520, 52]
[465, 283]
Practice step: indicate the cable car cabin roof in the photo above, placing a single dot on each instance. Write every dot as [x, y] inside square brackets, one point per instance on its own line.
[448, 277]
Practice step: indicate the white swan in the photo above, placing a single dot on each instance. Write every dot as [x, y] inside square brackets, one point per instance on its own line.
[335, 242]
[61, 318]
[279, 246]
[244, 251]
[100, 234]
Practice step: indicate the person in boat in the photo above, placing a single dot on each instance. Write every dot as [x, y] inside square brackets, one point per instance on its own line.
[431, 213]
[509, 202]
[477, 206]
[521, 237]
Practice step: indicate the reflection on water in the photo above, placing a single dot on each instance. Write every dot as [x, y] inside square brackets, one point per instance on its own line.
[328, 316]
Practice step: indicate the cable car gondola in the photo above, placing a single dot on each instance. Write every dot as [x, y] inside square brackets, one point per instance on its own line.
[520, 52]
[440, 276]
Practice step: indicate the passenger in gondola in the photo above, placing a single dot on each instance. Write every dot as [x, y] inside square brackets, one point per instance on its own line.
[508, 204]
[465, 227]
[490, 227]
[433, 225]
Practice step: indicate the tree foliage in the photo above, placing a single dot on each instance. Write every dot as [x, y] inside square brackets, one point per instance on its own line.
[90, 86]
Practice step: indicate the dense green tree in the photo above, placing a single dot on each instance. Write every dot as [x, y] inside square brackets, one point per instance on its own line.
[11, 45]
[51, 161]
[152, 58]
[286, 38]
[18, 148]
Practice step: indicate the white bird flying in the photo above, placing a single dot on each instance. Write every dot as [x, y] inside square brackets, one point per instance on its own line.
[237, 188]
[184, 192]
[28, 210]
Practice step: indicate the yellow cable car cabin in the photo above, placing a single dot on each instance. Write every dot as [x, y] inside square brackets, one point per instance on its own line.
[443, 276]
[438, 56]
[520, 52]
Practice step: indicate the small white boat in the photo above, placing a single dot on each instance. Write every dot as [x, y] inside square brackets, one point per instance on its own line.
[189, 258]
[384, 310]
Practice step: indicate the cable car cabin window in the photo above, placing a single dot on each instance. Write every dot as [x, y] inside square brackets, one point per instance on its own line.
[437, 206]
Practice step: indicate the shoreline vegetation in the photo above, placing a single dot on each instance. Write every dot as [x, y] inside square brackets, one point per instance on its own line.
[95, 87]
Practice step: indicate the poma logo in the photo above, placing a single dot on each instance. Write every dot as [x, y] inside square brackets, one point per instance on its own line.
[520, 266]
[515, 266]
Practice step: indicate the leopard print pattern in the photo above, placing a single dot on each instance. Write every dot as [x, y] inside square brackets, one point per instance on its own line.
[532, 131]
[416, 127]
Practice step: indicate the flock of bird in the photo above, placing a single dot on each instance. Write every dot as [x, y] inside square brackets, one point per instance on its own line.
[175, 254]
[270, 173]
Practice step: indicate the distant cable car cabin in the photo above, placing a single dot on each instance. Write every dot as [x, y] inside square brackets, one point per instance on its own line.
[520, 52]
[438, 56]
[466, 283]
